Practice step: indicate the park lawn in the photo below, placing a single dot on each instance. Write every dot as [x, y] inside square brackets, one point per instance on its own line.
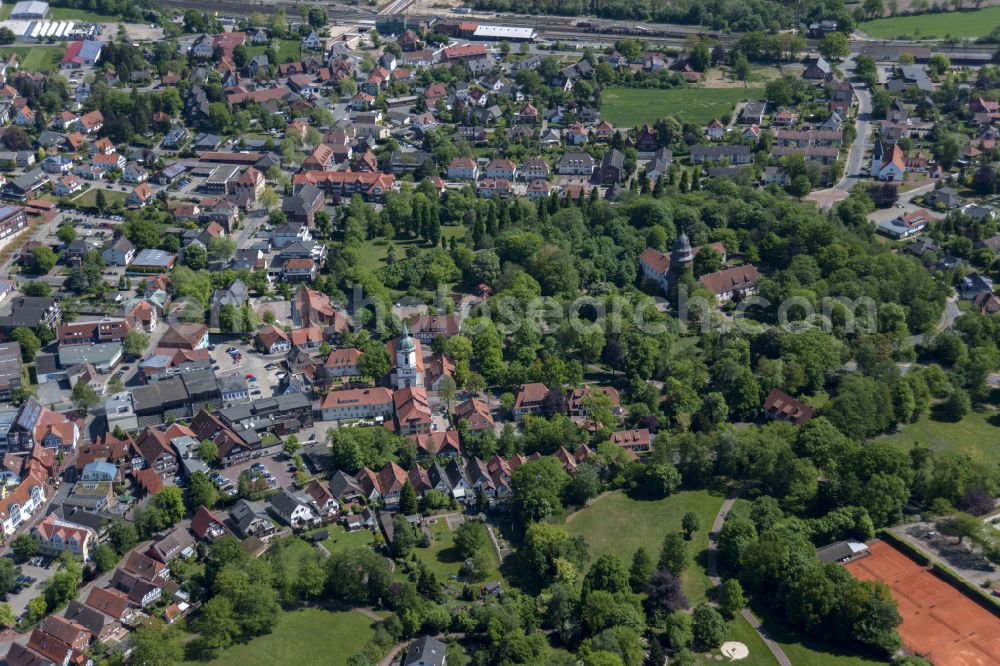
[88, 198]
[805, 650]
[615, 523]
[5, 11]
[976, 435]
[628, 107]
[304, 637]
[372, 252]
[36, 58]
[740, 630]
[974, 23]
[442, 558]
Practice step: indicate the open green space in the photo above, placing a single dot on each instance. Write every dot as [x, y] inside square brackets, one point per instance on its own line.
[977, 434]
[972, 23]
[373, 252]
[805, 650]
[297, 552]
[627, 107]
[309, 636]
[340, 539]
[71, 14]
[88, 198]
[36, 58]
[5, 11]
[615, 523]
[288, 50]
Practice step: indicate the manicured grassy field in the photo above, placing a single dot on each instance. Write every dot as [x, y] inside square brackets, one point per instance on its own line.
[627, 107]
[70, 14]
[288, 50]
[309, 636]
[618, 524]
[36, 58]
[975, 23]
[340, 539]
[298, 552]
[976, 434]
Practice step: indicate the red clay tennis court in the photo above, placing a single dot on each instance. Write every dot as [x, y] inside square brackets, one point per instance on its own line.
[939, 622]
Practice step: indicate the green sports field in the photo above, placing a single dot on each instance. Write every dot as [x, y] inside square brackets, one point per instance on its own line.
[628, 107]
[974, 23]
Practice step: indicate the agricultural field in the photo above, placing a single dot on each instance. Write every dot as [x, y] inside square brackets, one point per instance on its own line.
[627, 107]
[975, 23]
[615, 523]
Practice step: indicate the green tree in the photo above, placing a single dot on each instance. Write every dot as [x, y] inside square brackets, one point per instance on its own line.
[84, 396]
[291, 446]
[690, 524]
[66, 233]
[537, 487]
[201, 491]
[155, 644]
[8, 574]
[170, 502]
[673, 554]
[135, 343]
[470, 538]
[374, 361]
[122, 536]
[408, 504]
[607, 574]
[105, 558]
[641, 570]
[30, 344]
[834, 46]
[732, 599]
[208, 451]
[709, 627]
[44, 259]
[7, 618]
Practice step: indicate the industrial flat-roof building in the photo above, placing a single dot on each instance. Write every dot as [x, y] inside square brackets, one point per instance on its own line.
[503, 33]
[30, 9]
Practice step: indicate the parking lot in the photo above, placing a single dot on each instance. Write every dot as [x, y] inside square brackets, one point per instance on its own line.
[279, 466]
[250, 363]
[19, 600]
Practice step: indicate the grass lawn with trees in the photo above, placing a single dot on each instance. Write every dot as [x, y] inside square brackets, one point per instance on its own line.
[971, 23]
[627, 107]
[615, 523]
[296, 640]
[805, 650]
[442, 557]
[88, 198]
[976, 435]
[373, 252]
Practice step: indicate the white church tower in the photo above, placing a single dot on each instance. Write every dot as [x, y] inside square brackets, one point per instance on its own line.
[409, 368]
